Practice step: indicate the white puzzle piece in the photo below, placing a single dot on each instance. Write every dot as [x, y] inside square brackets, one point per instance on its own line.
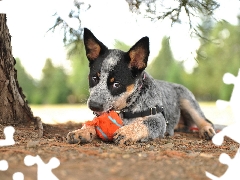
[8, 132]
[232, 131]
[235, 97]
[44, 170]
[18, 176]
[3, 165]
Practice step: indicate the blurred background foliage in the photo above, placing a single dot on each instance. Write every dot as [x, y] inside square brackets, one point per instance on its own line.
[218, 53]
[216, 57]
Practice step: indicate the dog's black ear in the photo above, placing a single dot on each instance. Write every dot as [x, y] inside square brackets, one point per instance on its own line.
[138, 54]
[94, 47]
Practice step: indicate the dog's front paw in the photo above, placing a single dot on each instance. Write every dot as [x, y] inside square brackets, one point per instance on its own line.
[207, 132]
[84, 135]
[122, 137]
[131, 133]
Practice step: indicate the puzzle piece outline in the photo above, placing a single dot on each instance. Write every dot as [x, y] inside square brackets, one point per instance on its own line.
[44, 170]
[232, 172]
[231, 131]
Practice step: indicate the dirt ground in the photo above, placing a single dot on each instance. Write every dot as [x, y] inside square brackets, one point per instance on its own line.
[183, 156]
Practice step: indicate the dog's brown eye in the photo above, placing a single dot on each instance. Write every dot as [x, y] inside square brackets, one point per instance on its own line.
[116, 85]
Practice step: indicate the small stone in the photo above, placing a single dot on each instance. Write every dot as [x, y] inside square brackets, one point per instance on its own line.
[193, 154]
[100, 151]
[168, 145]
[184, 141]
[126, 156]
[32, 144]
[205, 155]
[151, 148]
[119, 163]
[51, 140]
[177, 135]
[184, 147]
[233, 148]
[116, 150]
[112, 155]
[105, 155]
[131, 150]
[142, 155]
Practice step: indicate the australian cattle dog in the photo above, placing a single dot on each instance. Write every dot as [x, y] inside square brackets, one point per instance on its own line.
[149, 108]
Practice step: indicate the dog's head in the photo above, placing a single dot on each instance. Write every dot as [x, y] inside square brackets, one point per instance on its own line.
[113, 73]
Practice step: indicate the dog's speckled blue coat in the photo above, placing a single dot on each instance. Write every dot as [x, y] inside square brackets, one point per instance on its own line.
[117, 81]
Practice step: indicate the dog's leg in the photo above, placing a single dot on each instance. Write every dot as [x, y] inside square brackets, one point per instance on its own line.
[141, 130]
[173, 120]
[84, 135]
[191, 112]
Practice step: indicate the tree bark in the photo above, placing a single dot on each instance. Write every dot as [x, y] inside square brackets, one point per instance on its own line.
[14, 109]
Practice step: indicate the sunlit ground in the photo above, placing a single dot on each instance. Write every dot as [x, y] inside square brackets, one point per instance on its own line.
[216, 115]
[52, 114]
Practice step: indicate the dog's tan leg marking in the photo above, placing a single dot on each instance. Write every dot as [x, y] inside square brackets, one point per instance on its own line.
[83, 135]
[203, 126]
[132, 132]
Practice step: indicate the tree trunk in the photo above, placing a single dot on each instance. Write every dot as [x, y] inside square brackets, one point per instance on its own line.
[14, 109]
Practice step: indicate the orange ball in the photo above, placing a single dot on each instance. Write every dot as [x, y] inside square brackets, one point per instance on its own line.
[106, 125]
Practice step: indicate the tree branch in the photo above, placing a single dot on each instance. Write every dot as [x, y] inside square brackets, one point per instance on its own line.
[70, 34]
[192, 9]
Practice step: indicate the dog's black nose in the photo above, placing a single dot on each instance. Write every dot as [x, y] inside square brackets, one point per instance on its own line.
[95, 106]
